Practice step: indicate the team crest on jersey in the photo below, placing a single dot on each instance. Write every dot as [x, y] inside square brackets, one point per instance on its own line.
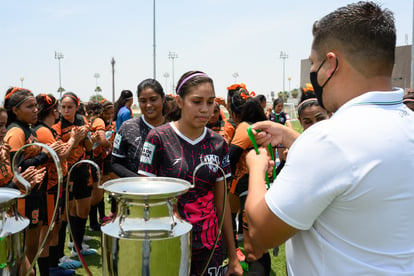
[147, 153]
[212, 160]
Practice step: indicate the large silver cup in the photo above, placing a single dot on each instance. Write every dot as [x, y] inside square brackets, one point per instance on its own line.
[146, 238]
[12, 225]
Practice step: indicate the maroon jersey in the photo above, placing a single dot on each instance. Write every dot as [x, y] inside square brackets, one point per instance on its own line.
[167, 152]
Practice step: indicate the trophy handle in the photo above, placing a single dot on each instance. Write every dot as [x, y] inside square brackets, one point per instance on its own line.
[98, 171]
[26, 184]
[220, 226]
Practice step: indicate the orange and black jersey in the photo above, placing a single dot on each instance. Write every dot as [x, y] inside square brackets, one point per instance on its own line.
[97, 124]
[63, 129]
[19, 134]
[48, 136]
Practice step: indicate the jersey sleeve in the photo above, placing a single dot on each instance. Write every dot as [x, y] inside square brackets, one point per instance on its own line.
[229, 130]
[225, 164]
[151, 155]
[120, 146]
[98, 124]
[241, 137]
[45, 136]
[16, 138]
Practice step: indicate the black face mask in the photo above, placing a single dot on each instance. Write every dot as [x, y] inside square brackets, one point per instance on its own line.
[314, 80]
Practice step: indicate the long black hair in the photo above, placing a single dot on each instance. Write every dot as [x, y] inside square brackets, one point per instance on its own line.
[125, 96]
[45, 104]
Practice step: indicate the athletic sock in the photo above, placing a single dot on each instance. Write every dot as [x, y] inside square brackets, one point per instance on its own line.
[43, 263]
[53, 256]
[62, 239]
[73, 225]
[101, 209]
[79, 231]
[93, 216]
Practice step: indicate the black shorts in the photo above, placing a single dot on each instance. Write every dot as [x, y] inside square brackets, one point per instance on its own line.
[79, 187]
[200, 257]
[31, 208]
[50, 201]
[94, 172]
[107, 165]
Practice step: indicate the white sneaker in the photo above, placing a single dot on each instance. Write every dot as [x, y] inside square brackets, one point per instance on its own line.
[87, 238]
[71, 245]
[84, 252]
[67, 263]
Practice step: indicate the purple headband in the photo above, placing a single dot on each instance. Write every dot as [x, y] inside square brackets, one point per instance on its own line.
[189, 77]
[306, 101]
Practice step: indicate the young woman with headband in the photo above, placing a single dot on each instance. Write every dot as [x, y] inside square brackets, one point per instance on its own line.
[309, 110]
[408, 100]
[48, 115]
[22, 114]
[123, 109]
[102, 145]
[216, 122]
[229, 124]
[247, 111]
[175, 150]
[79, 188]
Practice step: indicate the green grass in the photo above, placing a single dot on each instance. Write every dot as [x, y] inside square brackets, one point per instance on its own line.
[95, 262]
[296, 125]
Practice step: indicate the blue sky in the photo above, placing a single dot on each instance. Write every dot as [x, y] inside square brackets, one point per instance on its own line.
[219, 37]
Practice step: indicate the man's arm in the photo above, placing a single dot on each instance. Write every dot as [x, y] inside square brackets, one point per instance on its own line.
[265, 229]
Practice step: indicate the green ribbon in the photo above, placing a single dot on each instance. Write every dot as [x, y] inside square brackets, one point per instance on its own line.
[256, 148]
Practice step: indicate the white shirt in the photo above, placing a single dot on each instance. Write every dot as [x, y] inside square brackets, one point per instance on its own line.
[348, 184]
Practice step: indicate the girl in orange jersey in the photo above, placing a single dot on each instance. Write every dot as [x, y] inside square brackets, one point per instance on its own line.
[79, 188]
[246, 111]
[31, 174]
[48, 115]
[101, 148]
[22, 113]
[216, 122]
[5, 168]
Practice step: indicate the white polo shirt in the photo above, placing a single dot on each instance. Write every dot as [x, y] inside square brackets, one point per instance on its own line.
[348, 184]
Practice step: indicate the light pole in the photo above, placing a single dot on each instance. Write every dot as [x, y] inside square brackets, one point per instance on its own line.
[59, 56]
[113, 79]
[21, 81]
[235, 76]
[166, 75]
[97, 89]
[172, 56]
[289, 79]
[283, 56]
[154, 45]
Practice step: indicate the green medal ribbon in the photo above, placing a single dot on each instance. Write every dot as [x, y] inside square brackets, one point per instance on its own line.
[256, 148]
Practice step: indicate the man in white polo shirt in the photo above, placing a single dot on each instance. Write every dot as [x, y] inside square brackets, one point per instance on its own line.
[344, 201]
